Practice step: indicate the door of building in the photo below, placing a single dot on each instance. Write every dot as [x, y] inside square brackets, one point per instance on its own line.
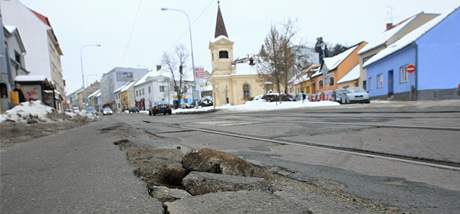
[390, 83]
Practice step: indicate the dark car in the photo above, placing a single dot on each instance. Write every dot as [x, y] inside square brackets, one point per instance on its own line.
[133, 110]
[161, 109]
[275, 97]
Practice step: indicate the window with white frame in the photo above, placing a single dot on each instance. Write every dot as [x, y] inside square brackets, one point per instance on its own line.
[162, 88]
[380, 81]
[150, 89]
[403, 75]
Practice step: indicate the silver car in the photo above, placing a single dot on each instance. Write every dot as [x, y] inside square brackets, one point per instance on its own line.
[351, 95]
[107, 111]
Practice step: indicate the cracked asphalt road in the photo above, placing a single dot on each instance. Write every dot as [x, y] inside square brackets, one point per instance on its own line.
[81, 171]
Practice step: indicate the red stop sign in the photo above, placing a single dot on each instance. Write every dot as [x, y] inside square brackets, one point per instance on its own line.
[410, 68]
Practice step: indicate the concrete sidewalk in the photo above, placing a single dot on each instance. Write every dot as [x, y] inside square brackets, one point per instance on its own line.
[77, 171]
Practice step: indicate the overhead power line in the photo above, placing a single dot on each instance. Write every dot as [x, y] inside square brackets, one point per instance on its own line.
[133, 27]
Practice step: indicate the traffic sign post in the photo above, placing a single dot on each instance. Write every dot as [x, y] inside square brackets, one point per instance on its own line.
[410, 68]
[413, 90]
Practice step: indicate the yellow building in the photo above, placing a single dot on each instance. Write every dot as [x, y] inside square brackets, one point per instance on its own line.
[233, 81]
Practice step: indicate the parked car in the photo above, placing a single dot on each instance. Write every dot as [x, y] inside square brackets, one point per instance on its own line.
[275, 97]
[133, 110]
[91, 110]
[206, 101]
[162, 108]
[351, 95]
[107, 111]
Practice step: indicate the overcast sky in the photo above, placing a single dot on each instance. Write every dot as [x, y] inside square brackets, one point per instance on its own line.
[110, 23]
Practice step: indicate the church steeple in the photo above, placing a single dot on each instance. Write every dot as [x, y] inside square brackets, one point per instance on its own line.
[220, 25]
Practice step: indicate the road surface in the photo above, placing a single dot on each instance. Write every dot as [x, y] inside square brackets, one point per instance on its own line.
[405, 156]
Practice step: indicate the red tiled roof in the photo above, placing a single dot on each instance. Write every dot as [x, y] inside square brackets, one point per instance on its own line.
[47, 22]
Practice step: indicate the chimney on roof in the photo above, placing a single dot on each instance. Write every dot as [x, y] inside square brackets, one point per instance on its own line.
[389, 26]
[158, 67]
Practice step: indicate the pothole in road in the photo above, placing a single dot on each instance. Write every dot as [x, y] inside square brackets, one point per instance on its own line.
[110, 128]
[177, 178]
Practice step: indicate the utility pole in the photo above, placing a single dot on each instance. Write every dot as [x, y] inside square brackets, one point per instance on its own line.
[81, 62]
[194, 92]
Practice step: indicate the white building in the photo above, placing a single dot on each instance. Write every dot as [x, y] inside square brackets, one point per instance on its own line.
[152, 88]
[41, 44]
[158, 87]
[116, 78]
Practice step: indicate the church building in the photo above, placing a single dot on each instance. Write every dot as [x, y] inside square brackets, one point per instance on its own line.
[234, 81]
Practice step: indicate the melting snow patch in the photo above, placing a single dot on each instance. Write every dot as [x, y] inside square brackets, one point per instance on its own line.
[260, 105]
[35, 111]
[28, 110]
[193, 110]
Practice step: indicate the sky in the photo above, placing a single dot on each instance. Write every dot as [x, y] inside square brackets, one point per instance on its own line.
[135, 33]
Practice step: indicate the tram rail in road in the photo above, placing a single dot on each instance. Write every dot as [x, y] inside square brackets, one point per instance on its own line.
[448, 165]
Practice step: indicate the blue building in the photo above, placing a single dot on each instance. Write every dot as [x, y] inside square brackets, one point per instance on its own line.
[434, 50]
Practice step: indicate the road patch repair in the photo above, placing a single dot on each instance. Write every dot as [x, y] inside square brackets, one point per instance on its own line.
[192, 181]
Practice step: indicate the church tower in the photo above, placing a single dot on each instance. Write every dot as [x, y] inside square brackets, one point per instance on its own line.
[221, 48]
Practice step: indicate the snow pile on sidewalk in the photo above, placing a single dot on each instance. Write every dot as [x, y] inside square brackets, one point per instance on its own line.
[82, 114]
[35, 112]
[27, 111]
[193, 110]
[262, 105]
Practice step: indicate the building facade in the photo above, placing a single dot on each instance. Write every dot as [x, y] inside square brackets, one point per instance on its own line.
[43, 50]
[124, 96]
[13, 60]
[433, 49]
[392, 34]
[155, 87]
[336, 68]
[232, 82]
[94, 100]
[116, 78]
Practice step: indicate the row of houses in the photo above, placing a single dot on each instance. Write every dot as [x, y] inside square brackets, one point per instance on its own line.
[125, 88]
[415, 59]
[30, 57]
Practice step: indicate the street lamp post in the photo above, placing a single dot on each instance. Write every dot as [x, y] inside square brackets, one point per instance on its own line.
[194, 93]
[81, 61]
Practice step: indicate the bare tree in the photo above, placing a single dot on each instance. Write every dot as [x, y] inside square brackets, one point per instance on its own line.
[176, 63]
[278, 56]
